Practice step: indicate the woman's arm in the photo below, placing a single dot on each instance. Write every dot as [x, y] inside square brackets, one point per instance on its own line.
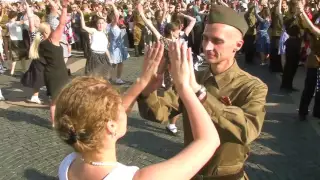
[148, 23]
[3, 9]
[30, 17]
[83, 23]
[192, 22]
[165, 11]
[260, 19]
[56, 35]
[314, 30]
[116, 13]
[206, 139]
[279, 7]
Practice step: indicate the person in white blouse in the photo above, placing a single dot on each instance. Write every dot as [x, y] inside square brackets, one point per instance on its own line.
[98, 61]
[18, 50]
[91, 117]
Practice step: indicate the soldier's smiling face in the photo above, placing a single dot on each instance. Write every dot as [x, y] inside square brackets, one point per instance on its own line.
[221, 42]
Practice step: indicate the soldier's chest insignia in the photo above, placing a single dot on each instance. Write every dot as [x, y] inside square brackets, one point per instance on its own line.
[226, 100]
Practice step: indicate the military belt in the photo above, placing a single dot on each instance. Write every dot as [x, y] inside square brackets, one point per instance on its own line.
[236, 176]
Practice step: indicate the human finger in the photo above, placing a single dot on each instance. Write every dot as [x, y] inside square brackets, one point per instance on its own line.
[155, 52]
[183, 51]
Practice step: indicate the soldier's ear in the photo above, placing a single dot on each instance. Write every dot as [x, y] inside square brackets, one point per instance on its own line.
[239, 44]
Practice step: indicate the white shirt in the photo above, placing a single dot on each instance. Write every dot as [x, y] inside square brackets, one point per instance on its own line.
[99, 42]
[15, 31]
[120, 172]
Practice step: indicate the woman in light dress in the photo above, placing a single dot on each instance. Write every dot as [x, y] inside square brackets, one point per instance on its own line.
[117, 48]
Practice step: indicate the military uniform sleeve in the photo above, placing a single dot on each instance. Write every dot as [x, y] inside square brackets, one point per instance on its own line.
[244, 122]
[157, 108]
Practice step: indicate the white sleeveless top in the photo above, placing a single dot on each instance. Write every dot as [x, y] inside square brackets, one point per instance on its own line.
[99, 42]
[122, 172]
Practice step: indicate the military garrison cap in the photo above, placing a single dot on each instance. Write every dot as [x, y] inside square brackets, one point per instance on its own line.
[225, 15]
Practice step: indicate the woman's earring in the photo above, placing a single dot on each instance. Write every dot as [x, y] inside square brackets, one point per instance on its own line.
[114, 134]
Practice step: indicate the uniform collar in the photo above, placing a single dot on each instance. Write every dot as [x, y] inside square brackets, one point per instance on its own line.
[221, 79]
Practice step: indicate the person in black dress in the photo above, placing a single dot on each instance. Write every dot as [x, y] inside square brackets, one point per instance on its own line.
[51, 55]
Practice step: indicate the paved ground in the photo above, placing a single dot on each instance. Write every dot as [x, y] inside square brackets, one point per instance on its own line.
[286, 150]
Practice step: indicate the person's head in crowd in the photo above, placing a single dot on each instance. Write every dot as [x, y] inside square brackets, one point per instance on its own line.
[189, 9]
[84, 7]
[158, 15]
[14, 7]
[265, 14]
[129, 12]
[223, 35]
[171, 8]
[74, 7]
[21, 8]
[12, 15]
[203, 7]
[251, 5]
[293, 7]
[41, 6]
[307, 9]
[105, 12]
[93, 123]
[101, 23]
[129, 6]
[284, 6]
[124, 6]
[44, 30]
[95, 7]
[172, 30]
[178, 8]
[100, 8]
[197, 2]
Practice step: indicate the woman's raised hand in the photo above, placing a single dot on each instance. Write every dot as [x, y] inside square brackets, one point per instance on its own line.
[179, 65]
[152, 58]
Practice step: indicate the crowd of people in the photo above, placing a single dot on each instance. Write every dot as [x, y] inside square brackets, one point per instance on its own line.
[222, 106]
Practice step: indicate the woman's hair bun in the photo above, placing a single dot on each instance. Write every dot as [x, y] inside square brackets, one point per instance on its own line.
[66, 126]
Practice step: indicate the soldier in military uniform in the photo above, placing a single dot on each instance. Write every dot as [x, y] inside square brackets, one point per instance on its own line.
[249, 38]
[233, 98]
[138, 33]
[276, 25]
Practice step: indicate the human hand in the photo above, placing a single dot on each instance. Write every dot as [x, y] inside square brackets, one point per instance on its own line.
[139, 7]
[179, 66]
[152, 58]
[301, 6]
[65, 3]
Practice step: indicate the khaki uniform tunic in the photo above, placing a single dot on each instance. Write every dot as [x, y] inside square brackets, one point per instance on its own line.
[252, 21]
[137, 28]
[276, 23]
[237, 124]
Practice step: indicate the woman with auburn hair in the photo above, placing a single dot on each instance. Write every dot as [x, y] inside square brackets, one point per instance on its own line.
[91, 116]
